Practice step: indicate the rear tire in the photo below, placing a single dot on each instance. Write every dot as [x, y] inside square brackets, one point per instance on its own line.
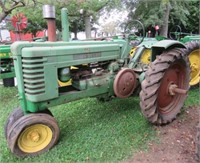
[156, 102]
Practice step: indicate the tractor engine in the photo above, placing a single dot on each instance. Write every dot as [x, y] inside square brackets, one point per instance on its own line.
[89, 75]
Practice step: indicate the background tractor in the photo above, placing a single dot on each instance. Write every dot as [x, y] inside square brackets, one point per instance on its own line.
[101, 69]
[7, 73]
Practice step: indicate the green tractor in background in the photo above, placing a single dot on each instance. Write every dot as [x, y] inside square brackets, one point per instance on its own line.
[7, 72]
[101, 69]
[192, 43]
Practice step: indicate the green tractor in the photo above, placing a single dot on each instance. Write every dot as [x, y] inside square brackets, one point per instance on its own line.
[100, 69]
[6, 66]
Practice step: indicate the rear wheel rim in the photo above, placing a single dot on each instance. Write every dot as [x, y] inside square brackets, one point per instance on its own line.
[175, 74]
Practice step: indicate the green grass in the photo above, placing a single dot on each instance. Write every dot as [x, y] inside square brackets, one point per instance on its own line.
[91, 131]
[193, 97]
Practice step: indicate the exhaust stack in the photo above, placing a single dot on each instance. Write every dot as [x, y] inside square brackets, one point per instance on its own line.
[49, 15]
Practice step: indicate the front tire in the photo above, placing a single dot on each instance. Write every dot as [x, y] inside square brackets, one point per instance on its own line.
[17, 114]
[33, 134]
[12, 118]
[158, 104]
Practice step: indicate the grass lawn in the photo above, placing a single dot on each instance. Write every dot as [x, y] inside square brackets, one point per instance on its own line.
[91, 131]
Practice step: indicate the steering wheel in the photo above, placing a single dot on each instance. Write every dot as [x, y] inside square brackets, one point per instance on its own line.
[175, 32]
[135, 32]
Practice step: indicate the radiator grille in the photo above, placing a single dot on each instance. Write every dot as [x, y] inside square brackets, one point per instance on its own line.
[33, 75]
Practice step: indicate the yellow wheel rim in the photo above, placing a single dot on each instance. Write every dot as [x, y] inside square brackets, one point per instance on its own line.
[146, 56]
[132, 52]
[194, 58]
[35, 138]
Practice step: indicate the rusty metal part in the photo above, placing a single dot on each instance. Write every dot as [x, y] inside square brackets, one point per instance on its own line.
[173, 89]
[51, 23]
[124, 83]
[169, 92]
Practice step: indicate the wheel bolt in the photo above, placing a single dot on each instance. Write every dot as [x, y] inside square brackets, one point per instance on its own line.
[34, 136]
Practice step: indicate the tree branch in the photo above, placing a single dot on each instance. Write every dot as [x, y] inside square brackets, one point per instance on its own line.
[15, 4]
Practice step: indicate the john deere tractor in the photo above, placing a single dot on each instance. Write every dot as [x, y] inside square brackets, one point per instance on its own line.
[101, 69]
[7, 72]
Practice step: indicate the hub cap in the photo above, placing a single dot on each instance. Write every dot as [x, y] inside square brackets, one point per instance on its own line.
[35, 138]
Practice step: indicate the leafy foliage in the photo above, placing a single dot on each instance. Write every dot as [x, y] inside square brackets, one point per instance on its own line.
[7, 6]
[150, 12]
[90, 8]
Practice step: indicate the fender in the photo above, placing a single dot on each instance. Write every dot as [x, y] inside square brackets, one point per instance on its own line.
[164, 45]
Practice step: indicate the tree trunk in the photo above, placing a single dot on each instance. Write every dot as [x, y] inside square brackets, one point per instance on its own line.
[87, 26]
[75, 35]
[75, 30]
[164, 27]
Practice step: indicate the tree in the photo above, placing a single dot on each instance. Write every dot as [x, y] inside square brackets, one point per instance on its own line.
[193, 19]
[82, 13]
[78, 21]
[89, 10]
[160, 12]
[7, 6]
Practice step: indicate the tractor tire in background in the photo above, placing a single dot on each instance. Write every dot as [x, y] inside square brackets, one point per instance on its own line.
[193, 53]
[159, 101]
[8, 82]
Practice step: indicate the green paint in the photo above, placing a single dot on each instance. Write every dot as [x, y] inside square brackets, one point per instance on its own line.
[6, 65]
[65, 24]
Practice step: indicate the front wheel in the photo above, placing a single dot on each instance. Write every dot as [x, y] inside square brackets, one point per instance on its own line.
[17, 114]
[165, 86]
[33, 134]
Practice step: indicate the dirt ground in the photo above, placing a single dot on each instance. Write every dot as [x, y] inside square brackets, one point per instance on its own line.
[176, 141]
